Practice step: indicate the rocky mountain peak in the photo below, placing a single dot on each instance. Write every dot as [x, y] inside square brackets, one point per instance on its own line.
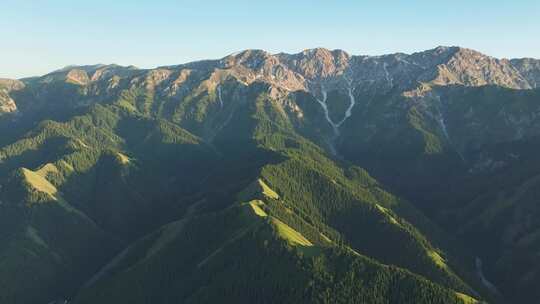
[86, 74]
[107, 71]
[317, 64]
[252, 59]
[11, 84]
[77, 76]
[317, 71]
[472, 68]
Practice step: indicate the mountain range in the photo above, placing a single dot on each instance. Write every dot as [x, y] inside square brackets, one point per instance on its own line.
[317, 177]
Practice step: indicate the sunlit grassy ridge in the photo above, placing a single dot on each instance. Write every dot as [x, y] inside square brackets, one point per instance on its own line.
[39, 183]
[256, 206]
[260, 189]
[46, 169]
[267, 191]
[437, 259]
[122, 158]
[292, 236]
[466, 299]
[386, 211]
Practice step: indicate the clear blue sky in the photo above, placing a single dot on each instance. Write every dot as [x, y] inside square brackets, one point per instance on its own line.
[40, 36]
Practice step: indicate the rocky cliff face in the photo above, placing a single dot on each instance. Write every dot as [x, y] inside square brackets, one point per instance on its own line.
[529, 68]
[7, 104]
[471, 68]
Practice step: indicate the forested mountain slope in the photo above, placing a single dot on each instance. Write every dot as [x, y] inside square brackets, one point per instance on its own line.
[317, 177]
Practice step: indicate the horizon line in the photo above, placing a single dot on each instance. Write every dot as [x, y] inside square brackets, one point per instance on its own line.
[268, 52]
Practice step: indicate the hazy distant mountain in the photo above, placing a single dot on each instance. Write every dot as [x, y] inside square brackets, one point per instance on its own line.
[317, 177]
